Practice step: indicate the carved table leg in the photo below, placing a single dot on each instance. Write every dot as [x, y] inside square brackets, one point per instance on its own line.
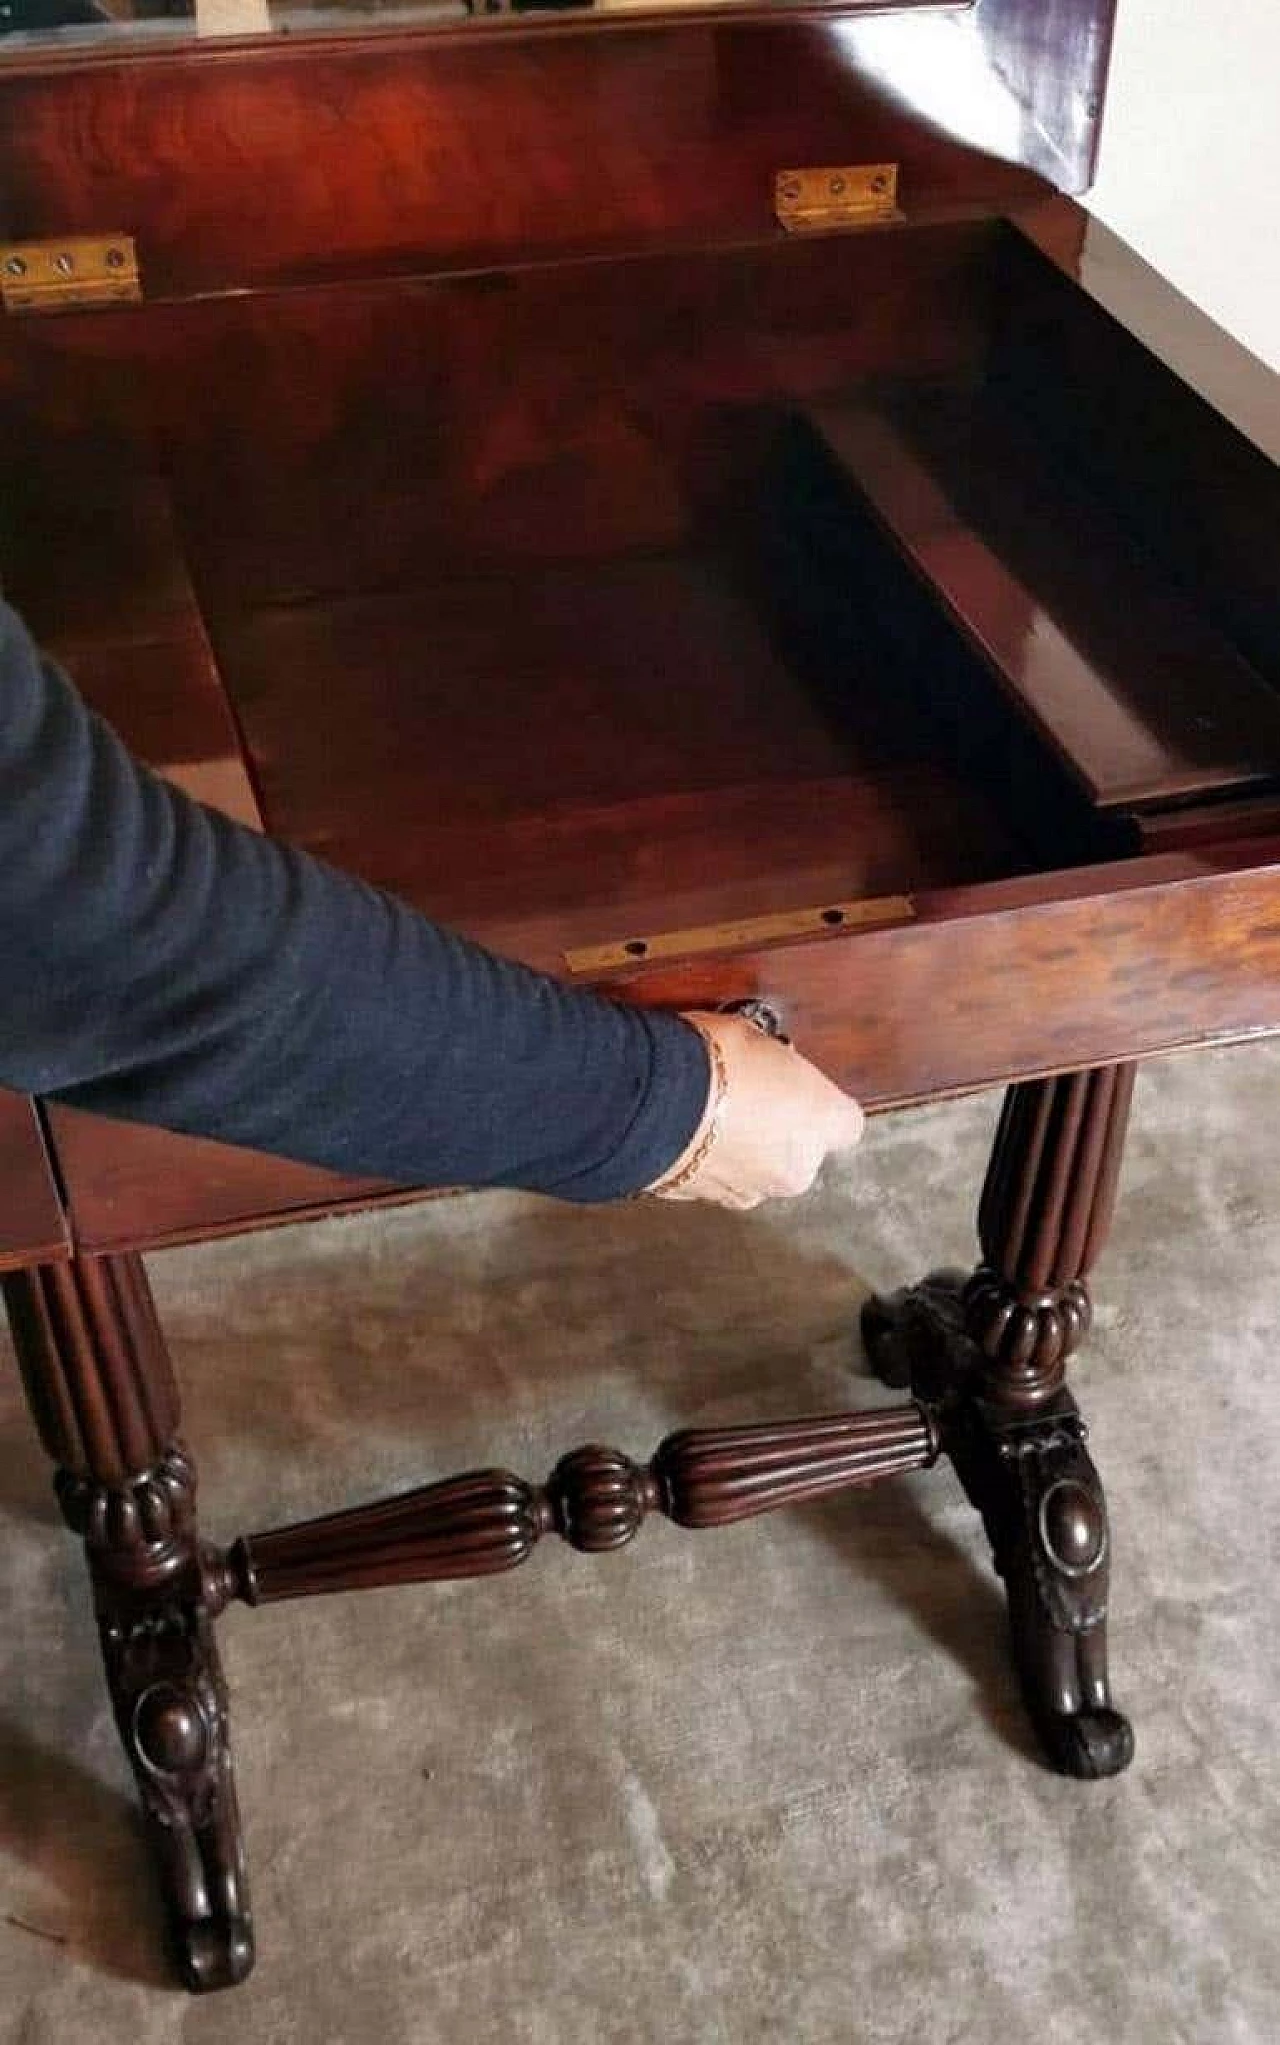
[103, 1395]
[989, 1353]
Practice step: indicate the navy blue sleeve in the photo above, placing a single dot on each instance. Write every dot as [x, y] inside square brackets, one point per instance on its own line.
[159, 963]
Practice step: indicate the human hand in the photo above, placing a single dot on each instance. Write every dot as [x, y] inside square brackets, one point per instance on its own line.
[770, 1121]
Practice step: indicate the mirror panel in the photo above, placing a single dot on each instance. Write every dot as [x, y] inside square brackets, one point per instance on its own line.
[91, 25]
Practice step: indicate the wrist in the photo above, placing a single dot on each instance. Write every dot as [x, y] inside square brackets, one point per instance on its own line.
[695, 1153]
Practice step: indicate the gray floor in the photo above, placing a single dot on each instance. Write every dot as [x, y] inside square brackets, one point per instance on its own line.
[766, 1784]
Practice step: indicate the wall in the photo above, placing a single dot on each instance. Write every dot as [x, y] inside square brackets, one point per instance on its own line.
[1190, 165]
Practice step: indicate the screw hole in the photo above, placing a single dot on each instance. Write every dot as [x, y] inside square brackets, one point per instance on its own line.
[636, 946]
[833, 915]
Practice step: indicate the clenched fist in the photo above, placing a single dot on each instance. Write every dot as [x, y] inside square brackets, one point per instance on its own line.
[770, 1121]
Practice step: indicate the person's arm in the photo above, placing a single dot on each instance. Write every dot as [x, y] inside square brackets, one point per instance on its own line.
[160, 963]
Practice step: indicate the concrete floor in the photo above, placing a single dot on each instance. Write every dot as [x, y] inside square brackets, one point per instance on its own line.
[765, 1784]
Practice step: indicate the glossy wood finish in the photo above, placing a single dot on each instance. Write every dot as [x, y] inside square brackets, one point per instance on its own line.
[596, 1498]
[668, 751]
[104, 1400]
[1050, 1192]
[1045, 1214]
[1200, 499]
[1145, 702]
[435, 152]
[100, 1386]
[320, 442]
[1034, 976]
[1175, 951]
[1052, 56]
[989, 1356]
[403, 554]
[32, 1224]
[137, 1187]
[1044, 1511]
[93, 557]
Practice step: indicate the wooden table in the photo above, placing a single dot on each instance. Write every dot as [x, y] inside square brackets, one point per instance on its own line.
[879, 626]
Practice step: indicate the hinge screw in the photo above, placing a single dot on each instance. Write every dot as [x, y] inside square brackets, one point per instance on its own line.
[115, 259]
[791, 188]
[64, 265]
[15, 267]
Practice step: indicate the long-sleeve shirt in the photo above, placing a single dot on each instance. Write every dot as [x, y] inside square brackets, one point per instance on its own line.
[160, 963]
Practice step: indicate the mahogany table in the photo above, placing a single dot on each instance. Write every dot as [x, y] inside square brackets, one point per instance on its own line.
[688, 501]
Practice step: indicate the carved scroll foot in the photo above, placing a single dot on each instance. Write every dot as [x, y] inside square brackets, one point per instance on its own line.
[1043, 1507]
[157, 1590]
[1045, 1513]
[103, 1396]
[170, 1705]
[917, 1336]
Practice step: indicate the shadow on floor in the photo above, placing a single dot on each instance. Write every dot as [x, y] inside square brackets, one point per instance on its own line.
[958, 1606]
[84, 1839]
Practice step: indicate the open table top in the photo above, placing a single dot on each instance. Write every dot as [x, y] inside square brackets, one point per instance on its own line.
[997, 973]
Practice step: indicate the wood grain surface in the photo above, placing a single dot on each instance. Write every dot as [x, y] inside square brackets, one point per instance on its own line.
[431, 152]
[32, 1225]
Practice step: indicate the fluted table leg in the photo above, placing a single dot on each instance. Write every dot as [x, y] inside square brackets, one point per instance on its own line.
[992, 1350]
[103, 1396]
[983, 1356]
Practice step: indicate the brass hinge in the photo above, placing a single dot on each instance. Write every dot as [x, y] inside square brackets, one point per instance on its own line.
[68, 275]
[843, 195]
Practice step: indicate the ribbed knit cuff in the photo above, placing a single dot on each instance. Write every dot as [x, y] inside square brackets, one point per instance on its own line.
[671, 1105]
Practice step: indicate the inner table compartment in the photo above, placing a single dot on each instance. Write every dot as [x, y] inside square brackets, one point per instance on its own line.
[1192, 491]
[513, 590]
[491, 578]
[1142, 700]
